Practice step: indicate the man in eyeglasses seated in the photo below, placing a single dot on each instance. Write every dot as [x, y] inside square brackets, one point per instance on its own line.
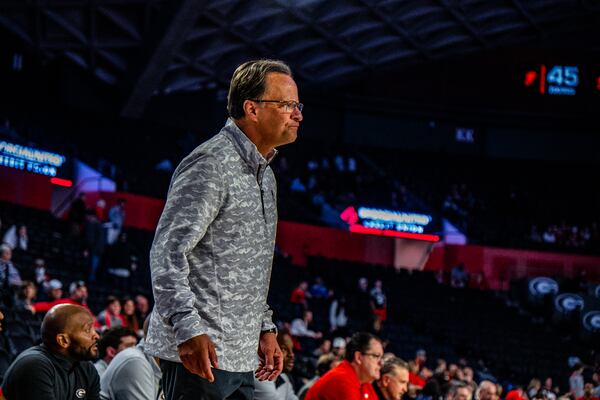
[351, 380]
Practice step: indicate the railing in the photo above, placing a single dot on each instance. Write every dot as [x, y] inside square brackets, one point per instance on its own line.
[74, 192]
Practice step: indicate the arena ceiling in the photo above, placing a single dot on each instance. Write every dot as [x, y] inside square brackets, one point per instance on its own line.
[156, 47]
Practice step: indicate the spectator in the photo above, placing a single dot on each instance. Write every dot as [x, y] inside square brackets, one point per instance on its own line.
[338, 319]
[95, 240]
[351, 380]
[379, 300]
[77, 295]
[486, 391]
[338, 347]
[142, 308]
[459, 277]
[298, 298]
[420, 359]
[534, 386]
[414, 377]
[100, 209]
[16, 238]
[468, 376]
[324, 364]
[588, 392]
[361, 306]
[41, 275]
[111, 316]
[116, 217]
[79, 292]
[111, 343]
[300, 326]
[550, 393]
[132, 375]
[460, 392]
[77, 215]
[281, 388]
[393, 380]
[318, 290]
[324, 348]
[576, 381]
[54, 290]
[9, 275]
[129, 316]
[25, 296]
[516, 394]
[60, 368]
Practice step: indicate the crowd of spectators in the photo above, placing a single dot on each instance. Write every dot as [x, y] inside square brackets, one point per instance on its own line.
[319, 346]
[320, 327]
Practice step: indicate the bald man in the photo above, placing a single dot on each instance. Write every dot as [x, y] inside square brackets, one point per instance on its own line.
[61, 367]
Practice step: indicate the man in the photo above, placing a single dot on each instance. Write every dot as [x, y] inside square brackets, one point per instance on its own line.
[339, 347]
[54, 289]
[132, 375]
[9, 276]
[281, 388]
[116, 217]
[393, 382]
[61, 367]
[460, 392]
[299, 326]
[351, 380]
[142, 309]
[212, 254]
[379, 300]
[588, 392]
[95, 243]
[112, 342]
[486, 391]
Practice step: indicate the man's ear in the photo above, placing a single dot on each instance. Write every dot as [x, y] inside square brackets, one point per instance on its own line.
[111, 351]
[385, 380]
[357, 357]
[63, 340]
[250, 110]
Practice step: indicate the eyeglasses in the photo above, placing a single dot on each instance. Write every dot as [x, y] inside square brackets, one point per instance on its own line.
[287, 105]
[377, 357]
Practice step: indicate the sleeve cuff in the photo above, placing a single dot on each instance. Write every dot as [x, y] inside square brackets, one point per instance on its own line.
[187, 326]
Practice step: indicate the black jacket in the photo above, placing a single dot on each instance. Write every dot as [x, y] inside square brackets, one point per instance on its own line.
[39, 374]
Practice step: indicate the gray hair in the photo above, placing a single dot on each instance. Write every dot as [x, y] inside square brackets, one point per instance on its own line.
[248, 82]
[393, 363]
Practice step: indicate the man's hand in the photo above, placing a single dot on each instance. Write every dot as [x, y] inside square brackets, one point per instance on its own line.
[198, 355]
[270, 358]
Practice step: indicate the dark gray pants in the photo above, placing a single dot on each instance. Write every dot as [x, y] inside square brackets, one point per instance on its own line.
[180, 384]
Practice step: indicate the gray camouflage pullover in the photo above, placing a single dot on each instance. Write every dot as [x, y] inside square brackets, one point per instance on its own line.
[212, 253]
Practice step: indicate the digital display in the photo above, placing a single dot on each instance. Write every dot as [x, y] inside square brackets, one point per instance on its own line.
[560, 80]
[390, 223]
[30, 159]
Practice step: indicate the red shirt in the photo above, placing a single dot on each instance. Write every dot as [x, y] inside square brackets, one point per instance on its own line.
[341, 383]
[298, 296]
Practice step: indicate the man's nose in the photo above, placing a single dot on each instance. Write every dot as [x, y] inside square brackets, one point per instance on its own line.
[297, 115]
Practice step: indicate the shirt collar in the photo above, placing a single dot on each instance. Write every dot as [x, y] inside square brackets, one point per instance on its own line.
[245, 147]
[64, 362]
